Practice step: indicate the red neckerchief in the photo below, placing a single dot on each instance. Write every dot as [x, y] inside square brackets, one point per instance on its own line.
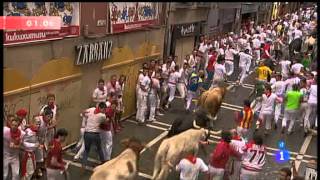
[268, 94]
[15, 135]
[51, 106]
[34, 128]
[236, 137]
[97, 110]
[192, 159]
[102, 89]
[113, 84]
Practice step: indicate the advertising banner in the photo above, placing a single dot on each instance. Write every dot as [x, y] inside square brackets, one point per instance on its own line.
[128, 16]
[68, 11]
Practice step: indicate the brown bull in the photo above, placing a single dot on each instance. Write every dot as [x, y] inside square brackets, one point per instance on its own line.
[122, 167]
[211, 100]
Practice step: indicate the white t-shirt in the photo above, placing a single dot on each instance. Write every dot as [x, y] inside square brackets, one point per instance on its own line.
[256, 43]
[146, 81]
[100, 96]
[221, 51]
[229, 54]
[285, 67]
[173, 78]
[296, 68]
[219, 71]
[190, 171]
[7, 151]
[203, 47]
[278, 87]
[268, 103]
[313, 94]
[93, 120]
[297, 34]
[290, 82]
[244, 59]
[254, 157]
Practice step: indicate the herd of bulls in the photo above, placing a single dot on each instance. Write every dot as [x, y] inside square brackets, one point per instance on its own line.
[183, 137]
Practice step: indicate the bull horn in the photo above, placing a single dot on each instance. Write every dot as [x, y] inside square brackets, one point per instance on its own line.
[195, 125]
[216, 132]
[207, 131]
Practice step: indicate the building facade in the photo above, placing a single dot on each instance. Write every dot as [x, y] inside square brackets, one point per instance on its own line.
[108, 38]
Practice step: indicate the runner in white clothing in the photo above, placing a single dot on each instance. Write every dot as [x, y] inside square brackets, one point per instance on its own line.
[285, 68]
[229, 57]
[278, 88]
[219, 72]
[172, 82]
[244, 61]
[254, 159]
[190, 166]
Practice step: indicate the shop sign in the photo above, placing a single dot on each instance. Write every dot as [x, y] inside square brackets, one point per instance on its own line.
[67, 11]
[185, 30]
[93, 52]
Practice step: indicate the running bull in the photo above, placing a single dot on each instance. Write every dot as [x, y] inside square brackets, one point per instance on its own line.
[122, 167]
[211, 100]
[173, 149]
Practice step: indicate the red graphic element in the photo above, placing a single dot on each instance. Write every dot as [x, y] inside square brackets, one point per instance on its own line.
[20, 37]
[30, 22]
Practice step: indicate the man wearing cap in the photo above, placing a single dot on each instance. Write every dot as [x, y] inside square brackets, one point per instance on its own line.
[21, 115]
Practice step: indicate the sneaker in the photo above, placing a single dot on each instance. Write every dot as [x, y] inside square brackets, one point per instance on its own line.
[159, 114]
[75, 159]
[151, 120]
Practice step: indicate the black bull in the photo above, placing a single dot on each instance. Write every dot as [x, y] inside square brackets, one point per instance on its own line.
[183, 123]
[295, 45]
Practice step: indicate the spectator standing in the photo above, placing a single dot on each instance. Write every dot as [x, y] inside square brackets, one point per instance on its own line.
[95, 117]
[100, 93]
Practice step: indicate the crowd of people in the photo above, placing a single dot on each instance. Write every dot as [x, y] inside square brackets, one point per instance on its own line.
[282, 56]
[290, 87]
[35, 146]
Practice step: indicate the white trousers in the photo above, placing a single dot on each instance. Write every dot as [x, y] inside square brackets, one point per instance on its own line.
[249, 175]
[229, 67]
[142, 107]
[303, 111]
[257, 54]
[80, 143]
[182, 89]
[153, 106]
[289, 115]
[267, 120]
[248, 66]
[106, 144]
[216, 173]
[15, 167]
[311, 114]
[190, 96]
[172, 91]
[277, 112]
[243, 73]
